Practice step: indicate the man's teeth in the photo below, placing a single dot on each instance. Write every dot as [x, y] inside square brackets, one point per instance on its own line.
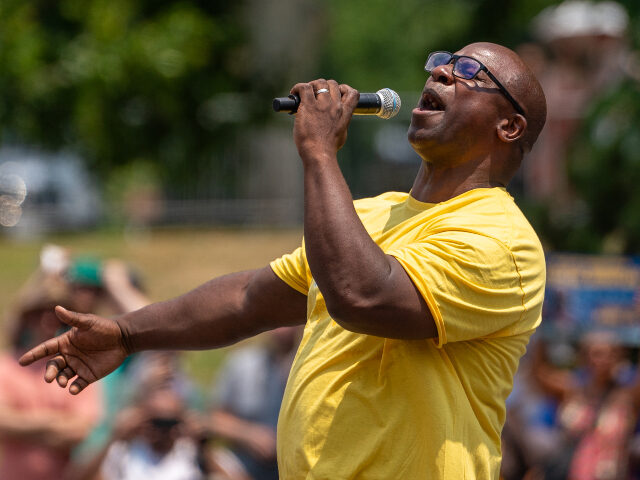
[431, 104]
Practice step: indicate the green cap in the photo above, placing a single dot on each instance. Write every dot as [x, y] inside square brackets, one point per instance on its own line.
[86, 271]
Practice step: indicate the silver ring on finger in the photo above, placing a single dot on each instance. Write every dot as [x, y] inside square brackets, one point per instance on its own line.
[322, 90]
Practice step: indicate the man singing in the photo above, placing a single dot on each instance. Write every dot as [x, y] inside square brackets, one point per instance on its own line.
[417, 306]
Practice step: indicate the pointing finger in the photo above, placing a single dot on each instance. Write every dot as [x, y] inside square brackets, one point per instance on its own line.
[50, 347]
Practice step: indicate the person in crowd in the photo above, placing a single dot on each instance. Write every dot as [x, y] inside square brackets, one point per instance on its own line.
[39, 426]
[249, 393]
[97, 285]
[110, 285]
[155, 439]
[597, 411]
[530, 433]
[417, 306]
[163, 369]
[583, 51]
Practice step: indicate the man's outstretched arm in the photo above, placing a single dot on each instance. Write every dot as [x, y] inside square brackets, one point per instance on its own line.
[220, 312]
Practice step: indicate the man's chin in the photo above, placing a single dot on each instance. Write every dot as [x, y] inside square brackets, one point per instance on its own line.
[420, 138]
[426, 143]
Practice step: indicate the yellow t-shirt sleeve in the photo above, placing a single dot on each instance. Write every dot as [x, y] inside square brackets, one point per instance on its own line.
[293, 270]
[471, 284]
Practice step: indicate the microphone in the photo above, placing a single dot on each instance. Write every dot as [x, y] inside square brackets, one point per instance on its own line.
[384, 103]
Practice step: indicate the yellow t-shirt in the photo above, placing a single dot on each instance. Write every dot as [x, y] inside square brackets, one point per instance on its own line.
[363, 407]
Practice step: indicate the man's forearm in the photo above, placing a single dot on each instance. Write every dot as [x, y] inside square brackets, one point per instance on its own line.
[218, 313]
[365, 290]
[346, 263]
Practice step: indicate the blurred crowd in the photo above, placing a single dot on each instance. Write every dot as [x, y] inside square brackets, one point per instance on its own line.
[573, 412]
[148, 419]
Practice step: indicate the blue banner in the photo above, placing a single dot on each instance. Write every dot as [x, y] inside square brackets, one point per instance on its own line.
[590, 292]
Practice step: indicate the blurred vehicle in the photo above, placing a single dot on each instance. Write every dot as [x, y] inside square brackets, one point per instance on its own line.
[44, 192]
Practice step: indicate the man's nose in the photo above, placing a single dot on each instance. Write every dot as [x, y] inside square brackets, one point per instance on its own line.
[443, 74]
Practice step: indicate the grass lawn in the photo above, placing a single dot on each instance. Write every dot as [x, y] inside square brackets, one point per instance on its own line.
[170, 262]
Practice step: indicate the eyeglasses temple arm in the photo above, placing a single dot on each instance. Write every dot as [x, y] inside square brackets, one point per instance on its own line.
[515, 104]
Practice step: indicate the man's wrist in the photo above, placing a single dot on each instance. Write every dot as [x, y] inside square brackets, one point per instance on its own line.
[312, 157]
[126, 340]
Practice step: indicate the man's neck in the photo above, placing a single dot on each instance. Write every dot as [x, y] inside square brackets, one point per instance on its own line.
[434, 184]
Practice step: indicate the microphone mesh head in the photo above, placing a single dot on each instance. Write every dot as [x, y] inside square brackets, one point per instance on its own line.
[390, 103]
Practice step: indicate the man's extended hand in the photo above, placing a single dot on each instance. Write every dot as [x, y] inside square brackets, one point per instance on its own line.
[92, 349]
[323, 118]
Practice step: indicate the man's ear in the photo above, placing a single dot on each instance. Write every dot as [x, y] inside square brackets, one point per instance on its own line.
[512, 128]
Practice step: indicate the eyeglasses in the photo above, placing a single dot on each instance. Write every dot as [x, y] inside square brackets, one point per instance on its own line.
[467, 68]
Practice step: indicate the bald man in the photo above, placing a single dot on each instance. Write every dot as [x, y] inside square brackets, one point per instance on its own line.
[418, 306]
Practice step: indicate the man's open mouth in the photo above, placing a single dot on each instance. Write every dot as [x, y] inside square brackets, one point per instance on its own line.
[430, 101]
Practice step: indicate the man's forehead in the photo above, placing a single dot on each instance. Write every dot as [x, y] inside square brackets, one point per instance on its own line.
[480, 52]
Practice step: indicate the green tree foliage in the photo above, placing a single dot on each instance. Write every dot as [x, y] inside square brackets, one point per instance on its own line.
[605, 170]
[123, 81]
[604, 165]
[119, 80]
[160, 82]
[373, 43]
[380, 42]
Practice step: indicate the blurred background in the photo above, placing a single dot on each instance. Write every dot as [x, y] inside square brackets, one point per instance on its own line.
[143, 131]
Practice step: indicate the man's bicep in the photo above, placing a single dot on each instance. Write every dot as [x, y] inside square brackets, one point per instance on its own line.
[395, 309]
[416, 317]
[273, 300]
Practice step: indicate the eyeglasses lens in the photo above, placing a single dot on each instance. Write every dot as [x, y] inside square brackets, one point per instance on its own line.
[466, 67]
[436, 59]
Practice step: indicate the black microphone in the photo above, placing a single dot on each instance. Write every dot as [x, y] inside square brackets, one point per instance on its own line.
[384, 103]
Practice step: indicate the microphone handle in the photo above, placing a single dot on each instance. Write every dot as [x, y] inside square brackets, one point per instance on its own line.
[368, 104]
[286, 104]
